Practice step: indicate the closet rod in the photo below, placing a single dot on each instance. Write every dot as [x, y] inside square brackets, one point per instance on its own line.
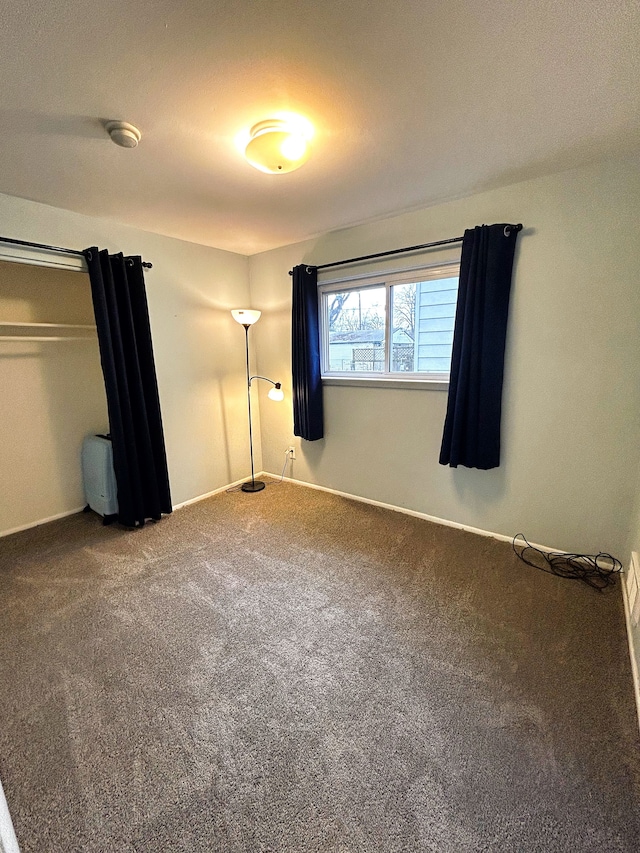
[507, 230]
[58, 249]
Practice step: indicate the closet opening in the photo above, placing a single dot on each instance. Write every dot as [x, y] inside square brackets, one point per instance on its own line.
[51, 388]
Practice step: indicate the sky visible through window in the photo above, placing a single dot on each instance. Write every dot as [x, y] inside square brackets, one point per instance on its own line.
[354, 310]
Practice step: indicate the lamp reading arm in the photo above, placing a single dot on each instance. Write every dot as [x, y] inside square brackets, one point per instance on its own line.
[276, 393]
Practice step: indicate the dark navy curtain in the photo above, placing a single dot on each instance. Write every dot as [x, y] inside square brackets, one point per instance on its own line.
[472, 425]
[126, 354]
[305, 353]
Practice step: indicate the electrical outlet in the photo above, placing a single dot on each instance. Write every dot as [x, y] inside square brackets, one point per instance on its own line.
[291, 451]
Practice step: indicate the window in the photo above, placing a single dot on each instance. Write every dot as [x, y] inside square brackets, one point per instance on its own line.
[391, 326]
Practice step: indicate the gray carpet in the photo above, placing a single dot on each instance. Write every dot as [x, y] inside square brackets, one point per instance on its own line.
[292, 672]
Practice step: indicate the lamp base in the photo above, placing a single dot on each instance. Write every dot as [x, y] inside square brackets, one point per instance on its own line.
[252, 486]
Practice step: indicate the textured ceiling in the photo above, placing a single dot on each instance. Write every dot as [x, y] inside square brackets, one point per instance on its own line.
[413, 102]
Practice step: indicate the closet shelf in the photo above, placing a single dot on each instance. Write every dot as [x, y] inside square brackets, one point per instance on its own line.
[46, 338]
[51, 327]
[6, 323]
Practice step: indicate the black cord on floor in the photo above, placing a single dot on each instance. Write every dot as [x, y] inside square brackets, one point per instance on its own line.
[233, 489]
[267, 482]
[277, 482]
[599, 571]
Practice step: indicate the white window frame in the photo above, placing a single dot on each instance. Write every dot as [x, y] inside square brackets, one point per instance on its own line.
[389, 278]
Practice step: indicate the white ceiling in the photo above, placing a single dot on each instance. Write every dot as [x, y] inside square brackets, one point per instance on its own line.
[414, 102]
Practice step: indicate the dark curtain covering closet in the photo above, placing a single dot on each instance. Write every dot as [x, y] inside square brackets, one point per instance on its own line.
[305, 352]
[472, 425]
[126, 354]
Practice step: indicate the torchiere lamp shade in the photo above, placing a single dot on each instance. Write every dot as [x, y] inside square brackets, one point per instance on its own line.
[245, 316]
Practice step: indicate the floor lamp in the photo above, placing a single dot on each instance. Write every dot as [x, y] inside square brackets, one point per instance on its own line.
[247, 317]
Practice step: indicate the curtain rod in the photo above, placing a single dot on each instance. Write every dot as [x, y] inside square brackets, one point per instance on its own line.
[507, 231]
[53, 248]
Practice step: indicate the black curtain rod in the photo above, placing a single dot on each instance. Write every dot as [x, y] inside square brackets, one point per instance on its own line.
[507, 231]
[54, 248]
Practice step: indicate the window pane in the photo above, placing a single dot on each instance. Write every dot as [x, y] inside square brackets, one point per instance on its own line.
[356, 321]
[414, 341]
[422, 319]
[403, 328]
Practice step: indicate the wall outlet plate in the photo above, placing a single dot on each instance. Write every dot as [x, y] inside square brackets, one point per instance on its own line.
[291, 451]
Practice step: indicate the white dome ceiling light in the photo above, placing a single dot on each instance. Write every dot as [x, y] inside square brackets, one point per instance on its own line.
[278, 146]
[123, 134]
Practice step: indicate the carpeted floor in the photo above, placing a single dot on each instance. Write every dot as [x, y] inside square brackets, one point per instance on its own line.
[292, 672]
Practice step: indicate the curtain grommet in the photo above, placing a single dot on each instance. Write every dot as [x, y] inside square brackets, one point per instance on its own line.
[509, 228]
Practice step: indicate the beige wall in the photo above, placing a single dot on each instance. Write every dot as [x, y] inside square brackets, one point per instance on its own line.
[572, 386]
[199, 349]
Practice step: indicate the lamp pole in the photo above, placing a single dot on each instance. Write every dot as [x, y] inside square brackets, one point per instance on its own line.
[253, 486]
[247, 317]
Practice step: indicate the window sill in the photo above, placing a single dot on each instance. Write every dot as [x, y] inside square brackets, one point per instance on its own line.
[380, 382]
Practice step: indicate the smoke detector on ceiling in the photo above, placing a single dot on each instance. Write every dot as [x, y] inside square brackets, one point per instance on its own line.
[123, 134]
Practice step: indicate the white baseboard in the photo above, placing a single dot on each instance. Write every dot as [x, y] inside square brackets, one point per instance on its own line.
[8, 840]
[632, 649]
[211, 494]
[444, 521]
[40, 521]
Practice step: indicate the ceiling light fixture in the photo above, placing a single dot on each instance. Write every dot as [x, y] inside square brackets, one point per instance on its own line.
[123, 134]
[277, 146]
